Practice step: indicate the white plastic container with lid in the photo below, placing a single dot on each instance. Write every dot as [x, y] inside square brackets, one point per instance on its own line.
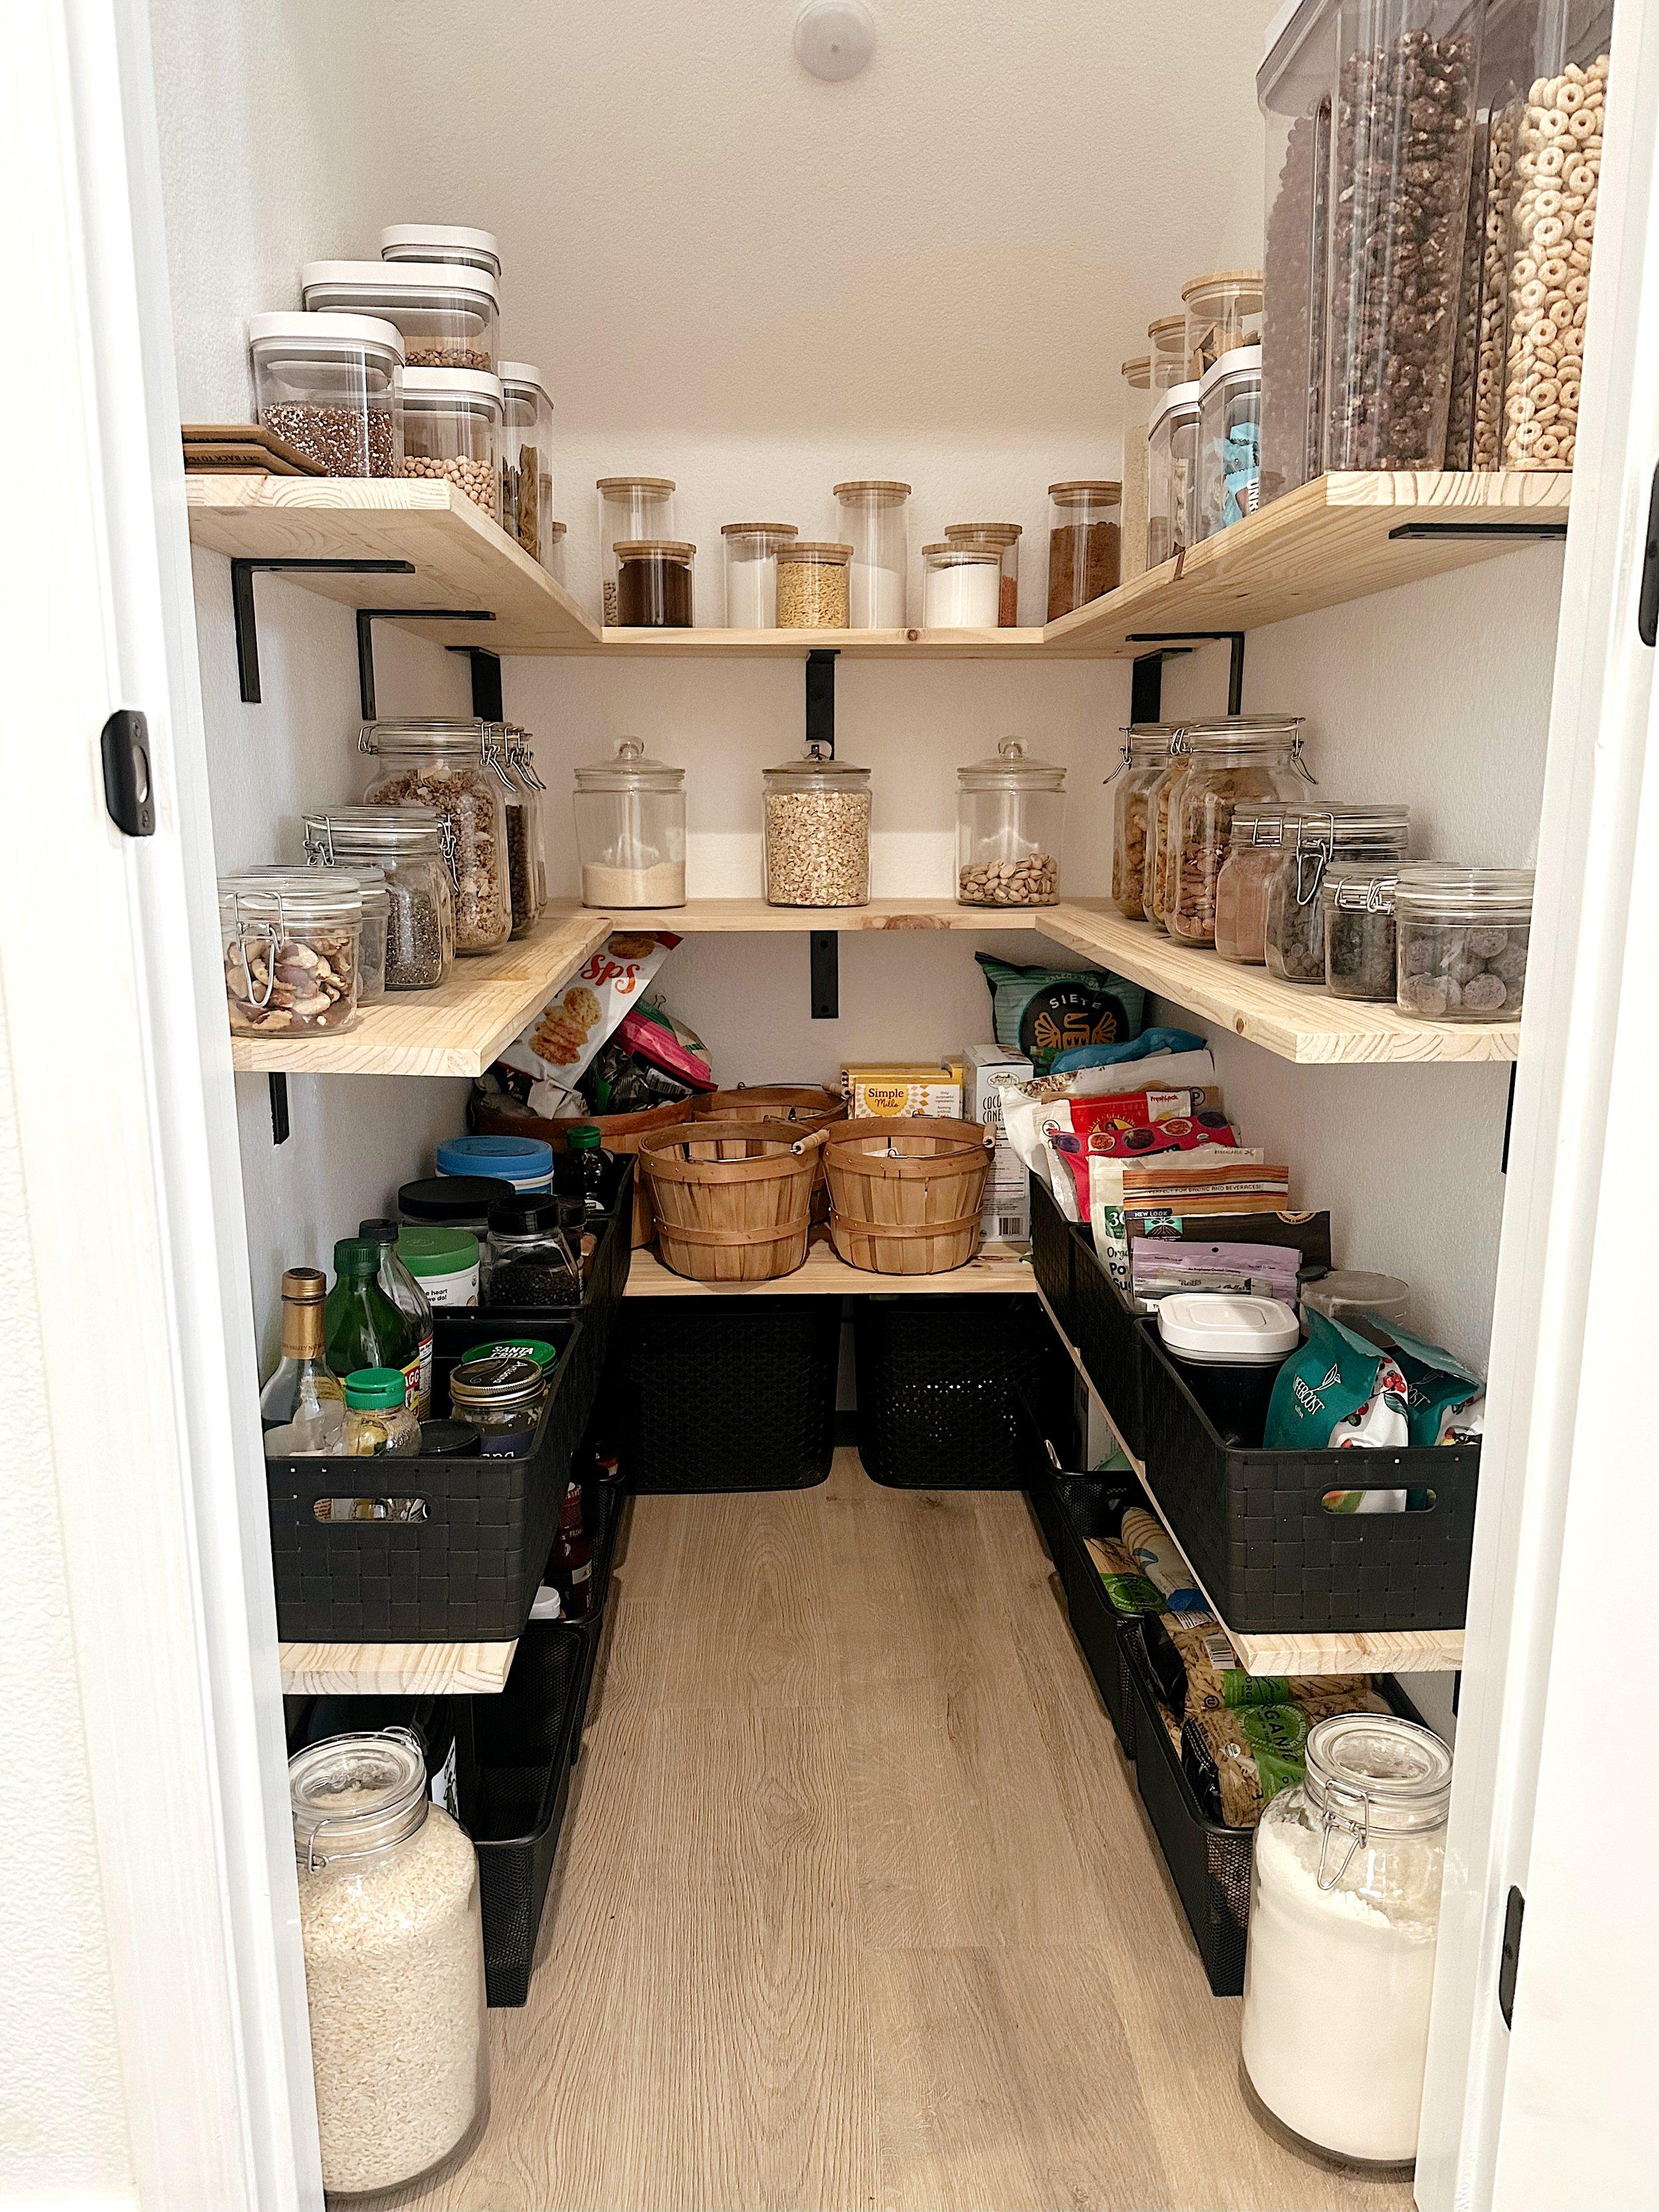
[631, 509]
[452, 430]
[872, 516]
[1229, 485]
[330, 384]
[630, 829]
[452, 243]
[449, 315]
[526, 458]
[1228, 1348]
[1171, 473]
[1009, 810]
[751, 572]
[961, 587]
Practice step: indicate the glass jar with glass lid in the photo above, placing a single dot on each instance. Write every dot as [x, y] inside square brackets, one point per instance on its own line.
[1240, 890]
[1356, 902]
[508, 753]
[1137, 776]
[1008, 821]
[1160, 804]
[1315, 835]
[816, 840]
[630, 829]
[405, 843]
[371, 885]
[1344, 1920]
[1237, 758]
[393, 1945]
[1462, 938]
[291, 951]
[522, 760]
[448, 765]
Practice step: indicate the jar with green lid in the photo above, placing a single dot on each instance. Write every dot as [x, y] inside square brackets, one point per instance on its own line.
[1240, 890]
[542, 1355]
[1235, 758]
[1340, 831]
[378, 1422]
[1462, 941]
[1146, 757]
[1159, 802]
[444, 1262]
[1357, 910]
[503, 1398]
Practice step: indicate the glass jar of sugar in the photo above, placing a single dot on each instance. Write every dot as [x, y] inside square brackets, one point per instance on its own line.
[751, 572]
[630, 829]
[961, 587]
[871, 511]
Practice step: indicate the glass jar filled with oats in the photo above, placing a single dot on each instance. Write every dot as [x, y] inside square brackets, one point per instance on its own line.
[817, 831]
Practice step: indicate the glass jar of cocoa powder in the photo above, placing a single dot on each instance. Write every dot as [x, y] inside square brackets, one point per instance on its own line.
[1241, 892]
[1084, 543]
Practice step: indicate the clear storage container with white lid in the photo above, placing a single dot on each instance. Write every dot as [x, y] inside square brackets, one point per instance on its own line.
[450, 243]
[1223, 312]
[448, 314]
[406, 845]
[631, 509]
[1296, 89]
[630, 829]
[451, 431]
[291, 952]
[1009, 810]
[526, 445]
[1171, 473]
[751, 572]
[872, 518]
[1137, 374]
[329, 384]
[1229, 485]
[448, 765]
[1462, 935]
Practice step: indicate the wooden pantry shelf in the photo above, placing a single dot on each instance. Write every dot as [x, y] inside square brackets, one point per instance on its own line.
[330, 1670]
[701, 917]
[825, 1276]
[855, 644]
[1296, 1022]
[455, 1030]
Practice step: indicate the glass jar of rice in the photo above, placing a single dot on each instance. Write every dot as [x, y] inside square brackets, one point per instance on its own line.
[393, 1944]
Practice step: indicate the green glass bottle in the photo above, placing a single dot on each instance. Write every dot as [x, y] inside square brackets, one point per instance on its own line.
[364, 1328]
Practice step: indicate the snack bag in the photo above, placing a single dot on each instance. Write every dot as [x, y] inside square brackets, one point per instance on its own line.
[1339, 1392]
[1445, 1404]
[1134, 1126]
[1197, 1670]
[1041, 1011]
[1107, 1201]
[1128, 1590]
[568, 1031]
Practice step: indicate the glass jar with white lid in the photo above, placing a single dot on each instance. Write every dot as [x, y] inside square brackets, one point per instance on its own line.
[527, 450]
[1461, 937]
[631, 509]
[751, 572]
[872, 515]
[406, 845]
[630, 829]
[330, 385]
[1315, 836]
[448, 314]
[452, 431]
[1344, 1921]
[1009, 810]
[961, 586]
[291, 950]
[452, 243]
[446, 763]
[1171, 473]
[816, 840]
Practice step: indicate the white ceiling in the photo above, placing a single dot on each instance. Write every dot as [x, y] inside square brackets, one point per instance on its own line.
[699, 236]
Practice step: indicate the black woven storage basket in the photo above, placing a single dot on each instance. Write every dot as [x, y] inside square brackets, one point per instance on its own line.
[1109, 1334]
[1079, 1501]
[1270, 1557]
[465, 1573]
[714, 1393]
[938, 1382]
[1052, 1243]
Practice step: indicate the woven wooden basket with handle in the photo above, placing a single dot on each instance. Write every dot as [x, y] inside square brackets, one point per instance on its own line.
[732, 1198]
[905, 1195]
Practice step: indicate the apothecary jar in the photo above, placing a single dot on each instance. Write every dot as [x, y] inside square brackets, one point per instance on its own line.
[393, 1946]
[1009, 810]
[818, 830]
[630, 829]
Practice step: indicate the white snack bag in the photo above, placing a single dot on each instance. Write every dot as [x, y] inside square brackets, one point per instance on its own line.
[569, 1030]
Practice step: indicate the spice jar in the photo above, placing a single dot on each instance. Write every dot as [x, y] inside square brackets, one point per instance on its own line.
[393, 1946]
[1241, 889]
[630, 829]
[405, 843]
[631, 509]
[1462, 939]
[961, 587]
[1004, 537]
[1160, 806]
[328, 385]
[817, 831]
[1229, 482]
[529, 1257]
[1313, 836]
[1146, 757]
[452, 243]
[872, 516]
[1345, 1918]
[1242, 757]
[526, 449]
[1223, 312]
[502, 1398]
[446, 764]
[814, 585]
[1356, 912]
[447, 314]
[451, 431]
[510, 754]
[1083, 530]
[380, 1423]
[290, 955]
[1008, 820]
[654, 583]
[1171, 473]
[1136, 376]
[751, 572]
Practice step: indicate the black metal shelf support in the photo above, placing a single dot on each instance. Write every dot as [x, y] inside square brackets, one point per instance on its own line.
[367, 618]
[1517, 529]
[1146, 684]
[242, 572]
[279, 1121]
[486, 673]
[823, 945]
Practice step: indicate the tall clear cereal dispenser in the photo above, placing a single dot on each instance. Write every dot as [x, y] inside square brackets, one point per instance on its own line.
[631, 509]
[1296, 89]
[630, 829]
[1344, 1921]
[871, 516]
[393, 1939]
[1136, 376]
[1009, 810]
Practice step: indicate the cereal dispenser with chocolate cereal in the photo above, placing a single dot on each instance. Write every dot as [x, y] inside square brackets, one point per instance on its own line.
[1009, 810]
[1296, 91]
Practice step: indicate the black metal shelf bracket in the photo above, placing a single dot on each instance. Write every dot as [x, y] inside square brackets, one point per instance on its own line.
[279, 1121]
[1516, 529]
[486, 673]
[367, 618]
[242, 572]
[823, 945]
[1146, 684]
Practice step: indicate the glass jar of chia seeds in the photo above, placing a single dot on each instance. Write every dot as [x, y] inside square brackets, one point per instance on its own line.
[1314, 836]
[405, 844]
[1357, 906]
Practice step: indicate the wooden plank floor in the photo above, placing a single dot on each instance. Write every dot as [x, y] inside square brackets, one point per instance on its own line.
[856, 1907]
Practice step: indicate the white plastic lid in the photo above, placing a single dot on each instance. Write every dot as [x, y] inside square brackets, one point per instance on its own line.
[1178, 395]
[1229, 1328]
[522, 373]
[328, 333]
[434, 384]
[447, 237]
[1242, 361]
[398, 280]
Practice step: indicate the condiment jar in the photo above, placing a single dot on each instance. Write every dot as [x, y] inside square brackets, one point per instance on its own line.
[814, 583]
[379, 1421]
[1229, 482]
[654, 583]
[446, 764]
[630, 829]
[444, 1262]
[631, 509]
[526, 451]
[542, 1355]
[452, 431]
[1462, 935]
[1160, 807]
[290, 955]
[1146, 757]
[751, 572]
[1171, 473]
[405, 843]
[530, 1259]
[525, 871]
[817, 839]
[524, 1163]
[1356, 913]
[1004, 537]
[1009, 810]
[450, 1201]
[1345, 1918]
[872, 515]
[503, 1398]
[1241, 889]
[1314, 836]
[329, 386]
[447, 314]
[393, 1945]
[1084, 529]
[1240, 756]
[441, 243]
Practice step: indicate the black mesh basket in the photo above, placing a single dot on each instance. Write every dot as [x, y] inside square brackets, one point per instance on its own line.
[712, 1393]
[939, 1378]
[1109, 1335]
[1052, 1243]
[1081, 1504]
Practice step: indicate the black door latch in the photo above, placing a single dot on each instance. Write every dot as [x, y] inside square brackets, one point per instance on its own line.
[1509, 1963]
[127, 790]
[1647, 607]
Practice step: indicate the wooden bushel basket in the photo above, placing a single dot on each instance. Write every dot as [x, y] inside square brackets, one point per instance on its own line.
[808, 1106]
[905, 1195]
[732, 1198]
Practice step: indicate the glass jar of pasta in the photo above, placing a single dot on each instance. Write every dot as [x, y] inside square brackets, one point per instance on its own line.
[449, 766]
[1160, 800]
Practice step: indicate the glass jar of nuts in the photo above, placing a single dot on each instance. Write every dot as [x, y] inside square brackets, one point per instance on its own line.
[817, 831]
[291, 951]
[1239, 757]
[1146, 757]
[1008, 820]
[1461, 936]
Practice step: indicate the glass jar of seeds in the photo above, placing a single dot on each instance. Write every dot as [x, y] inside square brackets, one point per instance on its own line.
[817, 831]
[1314, 836]
[405, 843]
[452, 431]
[329, 386]
[1357, 905]
[814, 581]
[1462, 941]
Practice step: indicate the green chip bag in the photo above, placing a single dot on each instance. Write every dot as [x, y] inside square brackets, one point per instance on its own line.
[1338, 1390]
[1041, 1011]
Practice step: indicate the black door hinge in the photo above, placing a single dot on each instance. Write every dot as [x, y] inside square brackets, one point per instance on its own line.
[1509, 1963]
[128, 793]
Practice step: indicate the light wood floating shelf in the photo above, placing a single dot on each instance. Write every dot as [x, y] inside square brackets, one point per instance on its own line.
[457, 1029]
[726, 917]
[825, 1276]
[1329, 541]
[333, 1670]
